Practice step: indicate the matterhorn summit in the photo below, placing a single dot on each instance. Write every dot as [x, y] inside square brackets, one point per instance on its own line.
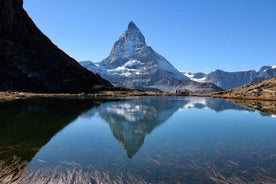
[131, 57]
[134, 64]
[132, 38]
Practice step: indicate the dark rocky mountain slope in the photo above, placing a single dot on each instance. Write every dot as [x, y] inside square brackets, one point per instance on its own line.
[29, 61]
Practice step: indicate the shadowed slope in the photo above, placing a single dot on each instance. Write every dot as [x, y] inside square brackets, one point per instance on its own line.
[29, 61]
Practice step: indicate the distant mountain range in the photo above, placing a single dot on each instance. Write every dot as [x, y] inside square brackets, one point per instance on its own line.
[133, 64]
[29, 61]
[228, 80]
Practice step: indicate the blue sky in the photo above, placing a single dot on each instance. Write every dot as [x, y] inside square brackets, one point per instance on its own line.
[194, 35]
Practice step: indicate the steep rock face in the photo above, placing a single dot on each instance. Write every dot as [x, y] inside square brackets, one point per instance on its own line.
[29, 61]
[133, 64]
[265, 72]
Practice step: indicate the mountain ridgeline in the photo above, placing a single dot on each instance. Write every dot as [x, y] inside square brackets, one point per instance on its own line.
[134, 64]
[29, 61]
[228, 80]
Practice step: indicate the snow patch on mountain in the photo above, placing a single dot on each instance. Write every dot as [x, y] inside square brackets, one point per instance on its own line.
[132, 67]
[195, 77]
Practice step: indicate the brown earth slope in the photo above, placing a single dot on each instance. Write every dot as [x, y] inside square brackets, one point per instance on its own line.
[29, 61]
[260, 96]
[265, 90]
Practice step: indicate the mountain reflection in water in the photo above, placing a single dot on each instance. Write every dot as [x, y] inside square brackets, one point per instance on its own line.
[131, 120]
[44, 141]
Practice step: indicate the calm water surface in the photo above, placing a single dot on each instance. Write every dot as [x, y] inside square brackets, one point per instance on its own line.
[136, 140]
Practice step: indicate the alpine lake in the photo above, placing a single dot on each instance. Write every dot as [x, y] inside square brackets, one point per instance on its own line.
[136, 140]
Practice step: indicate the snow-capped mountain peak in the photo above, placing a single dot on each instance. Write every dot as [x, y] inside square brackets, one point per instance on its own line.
[134, 64]
[131, 48]
[134, 34]
[131, 41]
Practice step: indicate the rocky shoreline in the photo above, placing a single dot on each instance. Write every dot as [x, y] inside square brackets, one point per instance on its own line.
[264, 105]
[12, 96]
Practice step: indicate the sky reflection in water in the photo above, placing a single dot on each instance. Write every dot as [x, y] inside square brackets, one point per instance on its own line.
[167, 139]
